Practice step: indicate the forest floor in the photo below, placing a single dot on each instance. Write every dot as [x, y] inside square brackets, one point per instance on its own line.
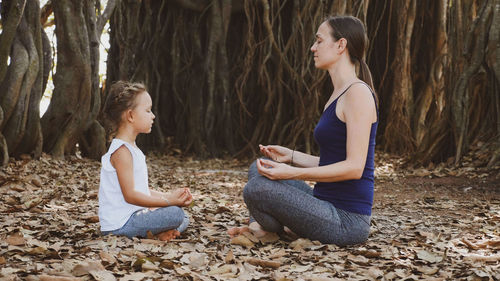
[437, 223]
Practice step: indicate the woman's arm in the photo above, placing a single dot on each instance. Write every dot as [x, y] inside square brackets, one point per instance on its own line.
[358, 112]
[305, 160]
[286, 155]
[122, 161]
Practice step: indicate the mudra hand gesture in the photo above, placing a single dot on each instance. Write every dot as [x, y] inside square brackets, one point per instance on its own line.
[277, 153]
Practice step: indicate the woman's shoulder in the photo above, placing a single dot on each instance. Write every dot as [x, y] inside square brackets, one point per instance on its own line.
[361, 87]
[359, 98]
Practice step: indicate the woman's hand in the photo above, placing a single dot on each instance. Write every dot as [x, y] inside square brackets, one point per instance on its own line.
[276, 152]
[275, 171]
[180, 197]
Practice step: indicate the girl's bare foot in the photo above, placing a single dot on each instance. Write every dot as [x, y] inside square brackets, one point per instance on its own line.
[168, 235]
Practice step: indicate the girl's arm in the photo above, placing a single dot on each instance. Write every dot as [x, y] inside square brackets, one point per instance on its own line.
[122, 161]
[177, 192]
[358, 112]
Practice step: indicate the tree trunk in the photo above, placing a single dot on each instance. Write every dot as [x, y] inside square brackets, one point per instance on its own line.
[22, 83]
[76, 99]
[398, 133]
[70, 106]
[475, 54]
[431, 129]
[493, 61]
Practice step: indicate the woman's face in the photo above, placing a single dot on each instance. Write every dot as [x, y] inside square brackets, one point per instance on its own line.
[325, 49]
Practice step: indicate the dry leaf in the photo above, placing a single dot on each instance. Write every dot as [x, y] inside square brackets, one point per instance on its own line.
[107, 257]
[368, 253]
[250, 236]
[493, 243]
[40, 250]
[102, 275]
[427, 270]
[241, 240]
[300, 268]
[481, 258]
[85, 268]
[92, 219]
[375, 273]
[361, 260]
[36, 181]
[195, 260]
[229, 257]
[429, 257]
[470, 244]
[263, 263]
[16, 239]
[222, 269]
[135, 276]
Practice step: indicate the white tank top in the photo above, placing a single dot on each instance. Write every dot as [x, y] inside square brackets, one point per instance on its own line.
[114, 211]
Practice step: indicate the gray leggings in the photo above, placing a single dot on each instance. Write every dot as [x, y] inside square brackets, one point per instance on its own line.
[275, 204]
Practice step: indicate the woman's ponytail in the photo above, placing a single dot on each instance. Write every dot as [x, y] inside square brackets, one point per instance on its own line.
[366, 76]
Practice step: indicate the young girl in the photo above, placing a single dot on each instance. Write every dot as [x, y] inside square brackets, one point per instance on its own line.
[126, 204]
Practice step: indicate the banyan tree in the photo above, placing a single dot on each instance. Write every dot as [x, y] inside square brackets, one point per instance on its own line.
[226, 75]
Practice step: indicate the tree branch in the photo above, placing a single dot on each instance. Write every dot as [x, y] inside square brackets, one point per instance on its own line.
[101, 22]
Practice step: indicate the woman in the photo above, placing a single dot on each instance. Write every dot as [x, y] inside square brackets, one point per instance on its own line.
[338, 209]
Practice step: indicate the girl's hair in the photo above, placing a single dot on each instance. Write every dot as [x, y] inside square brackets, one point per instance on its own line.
[121, 97]
[353, 30]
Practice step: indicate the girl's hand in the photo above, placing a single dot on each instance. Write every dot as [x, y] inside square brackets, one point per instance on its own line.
[180, 197]
[275, 171]
[189, 198]
[276, 152]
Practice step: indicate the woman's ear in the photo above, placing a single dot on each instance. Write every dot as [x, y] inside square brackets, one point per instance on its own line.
[342, 46]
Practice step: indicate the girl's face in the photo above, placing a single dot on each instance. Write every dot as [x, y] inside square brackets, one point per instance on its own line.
[142, 115]
[325, 49]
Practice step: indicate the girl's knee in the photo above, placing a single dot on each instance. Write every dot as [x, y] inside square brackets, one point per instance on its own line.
[177, 215]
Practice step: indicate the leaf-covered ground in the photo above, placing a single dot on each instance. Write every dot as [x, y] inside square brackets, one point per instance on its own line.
[428, 224]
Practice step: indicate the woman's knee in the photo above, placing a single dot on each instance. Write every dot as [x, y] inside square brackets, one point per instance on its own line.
[252, 171]
[251, 190]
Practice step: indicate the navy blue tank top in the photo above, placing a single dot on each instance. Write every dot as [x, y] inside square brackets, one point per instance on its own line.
[354, 196]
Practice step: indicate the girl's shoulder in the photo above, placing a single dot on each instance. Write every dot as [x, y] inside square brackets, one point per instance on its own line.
[117, 143]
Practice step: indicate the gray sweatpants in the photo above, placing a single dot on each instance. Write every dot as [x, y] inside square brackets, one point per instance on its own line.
[275, 204]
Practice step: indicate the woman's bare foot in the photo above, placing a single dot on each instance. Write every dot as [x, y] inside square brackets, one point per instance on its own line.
[290, 233]
[253, 228]
[235, 231]
[256, 229]
[168, 235]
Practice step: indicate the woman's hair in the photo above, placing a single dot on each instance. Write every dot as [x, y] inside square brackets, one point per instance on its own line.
[353, 30]
[121, 97]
